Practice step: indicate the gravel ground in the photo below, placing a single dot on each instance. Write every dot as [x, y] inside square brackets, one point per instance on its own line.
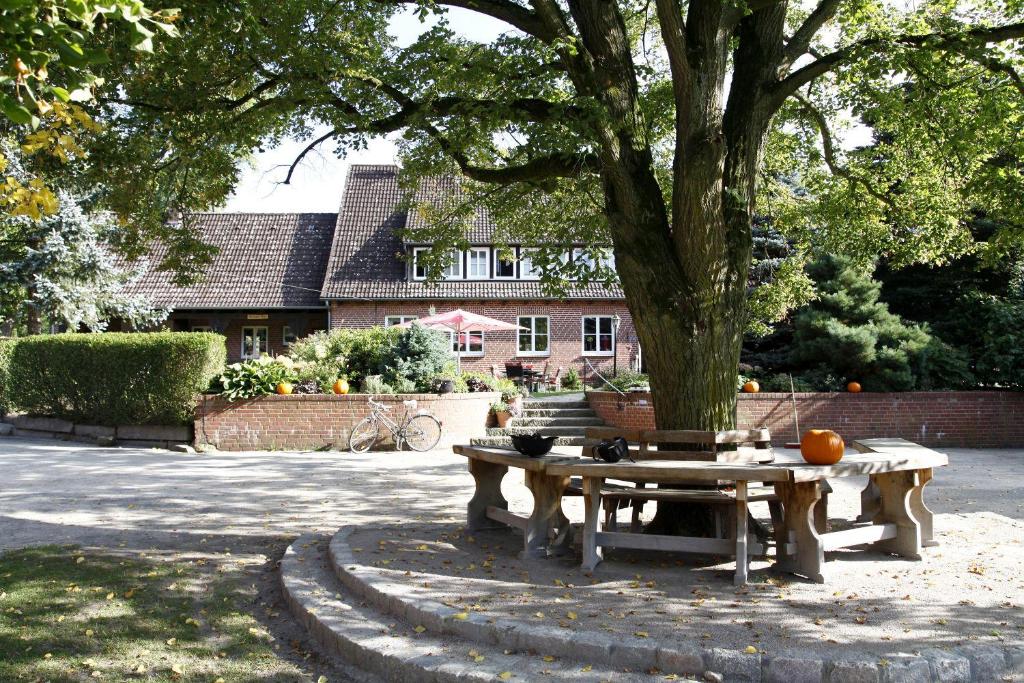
[967, 590]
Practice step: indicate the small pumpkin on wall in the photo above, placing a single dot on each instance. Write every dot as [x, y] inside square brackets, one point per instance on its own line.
[340, 386]
[751, 387]
[822, 447]
[853, 387]
[284, 388]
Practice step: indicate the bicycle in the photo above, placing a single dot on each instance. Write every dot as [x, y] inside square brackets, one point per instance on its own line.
[420, 431]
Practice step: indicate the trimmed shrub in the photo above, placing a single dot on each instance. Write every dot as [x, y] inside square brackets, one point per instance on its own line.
[115, 378]
[6, 349]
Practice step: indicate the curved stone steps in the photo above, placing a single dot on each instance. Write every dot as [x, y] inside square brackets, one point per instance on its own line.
[389, 648]
[389, 590]
[392, 591]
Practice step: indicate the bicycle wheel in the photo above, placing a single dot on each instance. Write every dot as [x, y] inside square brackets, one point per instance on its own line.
[422, 432]
[363, 435]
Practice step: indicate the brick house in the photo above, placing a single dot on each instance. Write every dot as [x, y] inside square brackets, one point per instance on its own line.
[290, 274]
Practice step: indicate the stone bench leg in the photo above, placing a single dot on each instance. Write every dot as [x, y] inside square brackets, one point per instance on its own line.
[871, 505]
[869, 501]
[920, 511]
[546, 516]
[799, 547]
[895, 492]
[488, 477]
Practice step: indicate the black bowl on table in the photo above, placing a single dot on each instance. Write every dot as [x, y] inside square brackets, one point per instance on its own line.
[533, 445]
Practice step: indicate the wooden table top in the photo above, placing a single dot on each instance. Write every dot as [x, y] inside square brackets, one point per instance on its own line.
[877, 456]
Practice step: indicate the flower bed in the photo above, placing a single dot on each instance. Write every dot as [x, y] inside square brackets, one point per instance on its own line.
[316, 421]
[981, 419]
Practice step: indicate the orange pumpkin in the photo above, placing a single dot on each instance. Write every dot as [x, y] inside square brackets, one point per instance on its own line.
[751, 387]
[822, 447]
[853, 387]
[284, 388]
[340, 386]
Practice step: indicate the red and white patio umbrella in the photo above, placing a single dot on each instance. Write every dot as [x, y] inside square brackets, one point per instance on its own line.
[459, 322]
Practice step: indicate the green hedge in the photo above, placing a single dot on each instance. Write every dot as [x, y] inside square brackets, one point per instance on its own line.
[6, 348]
[114, 378]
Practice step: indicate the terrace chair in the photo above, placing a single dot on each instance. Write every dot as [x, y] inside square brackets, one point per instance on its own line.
[552, 380]
[514, 372]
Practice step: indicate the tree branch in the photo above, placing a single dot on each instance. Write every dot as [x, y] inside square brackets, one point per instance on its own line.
[928, 41]
[801, 40]
[306, 150]
[557, 165]
[511, 13]
[828, 147]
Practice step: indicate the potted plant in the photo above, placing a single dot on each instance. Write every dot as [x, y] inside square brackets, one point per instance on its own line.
[442, 385]
[502, 412]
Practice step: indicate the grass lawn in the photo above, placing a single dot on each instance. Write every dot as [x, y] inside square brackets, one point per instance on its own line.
[68, 615]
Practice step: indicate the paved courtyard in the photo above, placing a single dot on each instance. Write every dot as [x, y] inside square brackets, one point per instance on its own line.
[137, 500]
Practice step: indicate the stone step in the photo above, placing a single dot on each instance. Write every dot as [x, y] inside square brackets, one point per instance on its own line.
[397, 592]
[554, 405]
[543, 431]
[555, 422]
[506, 442]
[558, 412]
[389, 648]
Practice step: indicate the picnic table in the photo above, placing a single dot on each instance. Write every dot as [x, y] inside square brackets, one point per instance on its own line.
[900, 522]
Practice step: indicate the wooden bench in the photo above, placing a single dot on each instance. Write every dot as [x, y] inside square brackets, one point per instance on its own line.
[733, 446]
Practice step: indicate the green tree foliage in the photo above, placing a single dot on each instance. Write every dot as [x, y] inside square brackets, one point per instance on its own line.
[114, 378]
[49, 50]
[975, 304]
[847, 334]
[60, 267]
[659, 128]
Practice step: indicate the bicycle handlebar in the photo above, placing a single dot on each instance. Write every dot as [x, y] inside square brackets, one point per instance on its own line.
[377, 404]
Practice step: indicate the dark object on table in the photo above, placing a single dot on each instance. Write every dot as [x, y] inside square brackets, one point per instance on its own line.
[533, 445]
[612, 451]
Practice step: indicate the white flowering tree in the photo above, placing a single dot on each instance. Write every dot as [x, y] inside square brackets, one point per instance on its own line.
[60, 268]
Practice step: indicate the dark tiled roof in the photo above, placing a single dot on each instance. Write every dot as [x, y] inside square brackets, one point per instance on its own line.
[266, 260]
[441, 192]
[365, 262]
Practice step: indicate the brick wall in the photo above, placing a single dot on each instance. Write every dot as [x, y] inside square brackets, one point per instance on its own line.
[565, 319]
[988, 419]
[308, 422]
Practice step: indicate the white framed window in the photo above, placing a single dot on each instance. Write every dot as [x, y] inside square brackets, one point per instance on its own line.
[255, 341]
[527, 271]
[478, 263]
[468, 344]
[392, 320]
[201, 328]
[419, 269]
[607, 258]
[598, 335]
[453, 271]
[535, 338]
[288, 336]
[504, 270]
